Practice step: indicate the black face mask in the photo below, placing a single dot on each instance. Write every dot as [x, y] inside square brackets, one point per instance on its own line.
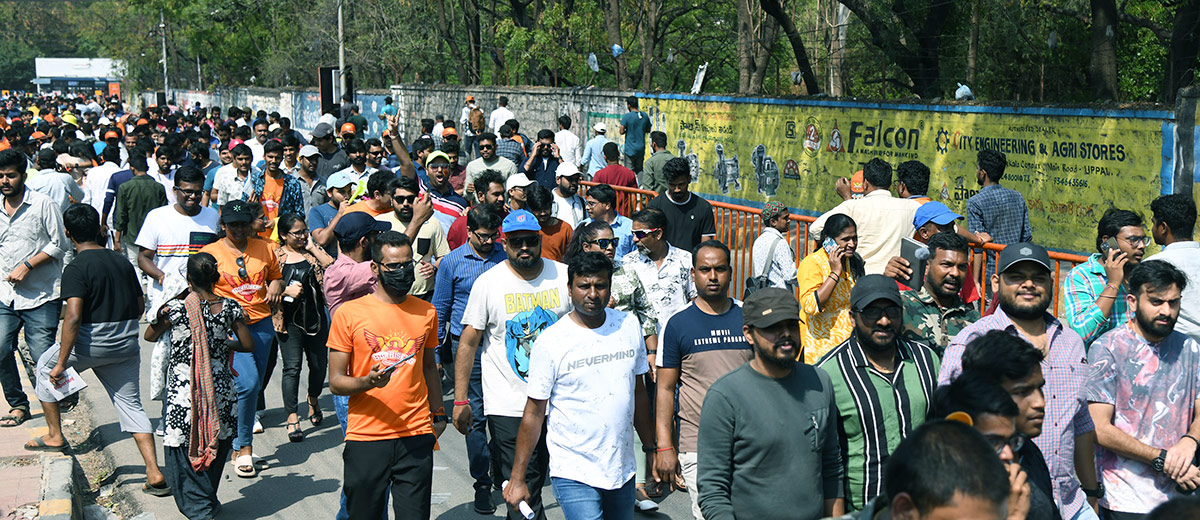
[398, 281]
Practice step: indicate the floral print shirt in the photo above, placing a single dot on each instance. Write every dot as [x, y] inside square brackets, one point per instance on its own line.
[177, 417]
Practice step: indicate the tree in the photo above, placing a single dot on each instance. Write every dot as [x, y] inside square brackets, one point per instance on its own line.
[775, 10]
[917, 21]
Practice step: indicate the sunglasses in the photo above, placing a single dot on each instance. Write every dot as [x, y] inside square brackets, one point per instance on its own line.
[438, 166]
[872, 314]
[405, 199]
[486, 238]
[999, 442]
[643, 233]
[487, 146]
[523, 242]
[396, 265]
[241, 263]
[604, 243]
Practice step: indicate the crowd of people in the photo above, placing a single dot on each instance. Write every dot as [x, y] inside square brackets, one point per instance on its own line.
[596, 352]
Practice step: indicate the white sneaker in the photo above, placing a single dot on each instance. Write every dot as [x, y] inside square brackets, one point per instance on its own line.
[258, 428]
[645, 506]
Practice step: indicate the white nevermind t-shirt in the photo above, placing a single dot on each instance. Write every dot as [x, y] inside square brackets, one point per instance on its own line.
[174, 237]
[511, 313]
[588, 377]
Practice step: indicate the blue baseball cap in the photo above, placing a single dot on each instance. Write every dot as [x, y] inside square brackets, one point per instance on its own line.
[935, 212]
[357, 224]
[339, 180]
[519, 220]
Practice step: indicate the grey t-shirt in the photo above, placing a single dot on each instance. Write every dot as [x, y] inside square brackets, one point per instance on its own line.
[769, 447]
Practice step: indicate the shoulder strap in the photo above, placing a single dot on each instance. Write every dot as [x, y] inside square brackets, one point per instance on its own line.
[770, 257]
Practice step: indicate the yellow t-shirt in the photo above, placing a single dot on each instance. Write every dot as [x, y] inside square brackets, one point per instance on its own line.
[824, 326]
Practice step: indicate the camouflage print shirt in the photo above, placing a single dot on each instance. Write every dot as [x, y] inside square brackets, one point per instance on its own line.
[628, 295]
[925, 320]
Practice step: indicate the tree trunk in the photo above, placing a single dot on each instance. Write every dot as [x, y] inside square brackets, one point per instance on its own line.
[745, 49]
[612, 25]
[773, 8]
[837, 52]
[973, 44]
[1103, 70]
[1182, 51]
[650, 21]
[887, 33]
[474, 40]
[764, 43]
[448, 35]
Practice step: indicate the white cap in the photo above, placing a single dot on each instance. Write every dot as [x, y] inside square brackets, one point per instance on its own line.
[308, 150]
[566, 169]
[599, 127]
[517, 180]
[104, 121]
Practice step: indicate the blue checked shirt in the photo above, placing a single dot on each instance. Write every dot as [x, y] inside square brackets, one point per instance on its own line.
[1080, 291]
[1001, 213]
[456, 274]
[512, 150]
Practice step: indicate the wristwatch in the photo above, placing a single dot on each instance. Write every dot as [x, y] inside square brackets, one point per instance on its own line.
[1160, 461]
[1097, 493]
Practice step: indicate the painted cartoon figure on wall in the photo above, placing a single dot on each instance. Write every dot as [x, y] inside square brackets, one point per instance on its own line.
[766, 172]
[692, 159]
[727, 171]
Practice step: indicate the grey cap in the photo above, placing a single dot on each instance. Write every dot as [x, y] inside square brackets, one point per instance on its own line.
[322, 130]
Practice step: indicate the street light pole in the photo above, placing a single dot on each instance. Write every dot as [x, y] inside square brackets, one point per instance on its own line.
[162, 27]
[341, 55]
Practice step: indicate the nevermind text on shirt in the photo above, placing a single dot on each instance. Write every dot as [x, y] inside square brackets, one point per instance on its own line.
[602, 358]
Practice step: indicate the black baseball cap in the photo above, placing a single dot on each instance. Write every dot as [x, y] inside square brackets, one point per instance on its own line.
[236, 212]
[873, 287]
[1023, 252]
[768, 306]
[357, 224]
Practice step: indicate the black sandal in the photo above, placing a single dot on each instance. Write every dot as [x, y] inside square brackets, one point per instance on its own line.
[296, 435]
[314, 414]
[12, 420]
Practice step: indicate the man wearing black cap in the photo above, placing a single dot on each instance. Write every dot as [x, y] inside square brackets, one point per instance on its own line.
[333, 158]
[883, 384]
[1025, 284]
[741, 440]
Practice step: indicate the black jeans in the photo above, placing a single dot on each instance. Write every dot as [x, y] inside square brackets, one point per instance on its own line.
[294, 347]
[504, 450]
[195, 493]
[405, 463]
[1117, 515]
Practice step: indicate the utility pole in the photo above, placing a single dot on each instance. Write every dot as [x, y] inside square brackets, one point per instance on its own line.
[341, 56]
[199, 80]
[162, 27]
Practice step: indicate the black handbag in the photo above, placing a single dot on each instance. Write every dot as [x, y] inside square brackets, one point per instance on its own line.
[754, 283]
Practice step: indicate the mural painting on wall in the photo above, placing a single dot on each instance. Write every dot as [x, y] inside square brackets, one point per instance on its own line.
[1070, 165]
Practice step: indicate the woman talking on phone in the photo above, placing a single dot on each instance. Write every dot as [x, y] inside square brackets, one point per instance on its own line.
[825, 279]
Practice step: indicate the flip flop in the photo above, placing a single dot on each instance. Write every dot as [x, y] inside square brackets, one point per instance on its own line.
[651, 489]
[245, 461]
[39, 444]
[12, 420]
[161, 490]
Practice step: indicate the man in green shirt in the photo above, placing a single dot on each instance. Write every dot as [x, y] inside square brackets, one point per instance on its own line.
[135, 199]
[883, 385]
[651, 177]
[935, 313]
[360, 122]
[768, 430]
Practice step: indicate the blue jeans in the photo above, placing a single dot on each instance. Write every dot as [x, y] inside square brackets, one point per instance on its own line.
[41, 327]
[341, 408]
[479, 459]
[250, 368]
[580, 501]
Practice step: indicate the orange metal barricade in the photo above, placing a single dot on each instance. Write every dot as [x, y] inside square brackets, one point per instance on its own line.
[738, 226]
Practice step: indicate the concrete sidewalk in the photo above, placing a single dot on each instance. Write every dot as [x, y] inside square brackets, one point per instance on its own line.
[34, 484]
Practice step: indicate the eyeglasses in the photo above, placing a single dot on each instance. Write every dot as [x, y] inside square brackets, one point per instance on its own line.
[643, 233]
[404, 199]
[522, 242]
[396, 265]
[298, 232]
[604, 243]
[189, 193]
[241, 263]
[998, 442]
[872, 314]
[591, 203]
[1138, 241]
[486, 238]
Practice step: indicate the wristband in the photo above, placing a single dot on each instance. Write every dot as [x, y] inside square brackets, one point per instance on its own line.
[28, 265]
[461, 403]
[1189, 436]
[651, 352]
[1111, 286]
[668, 448]
[835, 277]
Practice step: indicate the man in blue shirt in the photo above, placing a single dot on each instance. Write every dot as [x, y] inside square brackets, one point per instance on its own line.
[457, 274]
[593, 151]
[323, 219]
[635, 124]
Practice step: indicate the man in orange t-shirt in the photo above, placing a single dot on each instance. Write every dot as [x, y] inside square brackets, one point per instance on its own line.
[556, 234]
[379, 193]
[274, 189]
[381, 355]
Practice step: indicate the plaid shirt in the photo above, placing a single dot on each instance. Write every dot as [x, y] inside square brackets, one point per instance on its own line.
[1080, 291]
[1066, 371]
[512, 150]
[1002, 213]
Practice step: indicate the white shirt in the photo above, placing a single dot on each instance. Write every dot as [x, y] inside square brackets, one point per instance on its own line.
[463, 123]
[499, 116]
[1185, 256]
[228, 185]
[175, 237]
[568, 146]
[95, 184]
[60, 187]
[882, 220]
[511, 313]
[167, 181]
[588, 375]
[569, 210]
[256, 151]
[668, 288]
[782, 265]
